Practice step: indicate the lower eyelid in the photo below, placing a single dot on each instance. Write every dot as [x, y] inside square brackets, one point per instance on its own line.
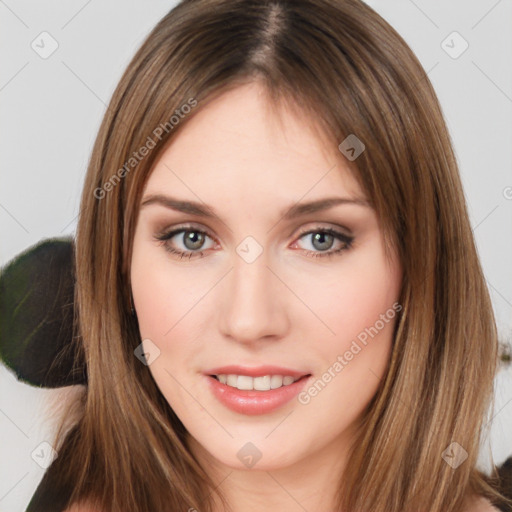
[165, 237]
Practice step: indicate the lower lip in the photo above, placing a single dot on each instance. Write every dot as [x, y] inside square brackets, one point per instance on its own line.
[255, 402]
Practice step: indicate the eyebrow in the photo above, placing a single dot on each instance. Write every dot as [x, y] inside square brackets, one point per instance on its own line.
[296, 210]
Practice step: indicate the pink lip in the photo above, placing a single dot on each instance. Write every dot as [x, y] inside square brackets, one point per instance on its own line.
[256, 371]
[255, 402]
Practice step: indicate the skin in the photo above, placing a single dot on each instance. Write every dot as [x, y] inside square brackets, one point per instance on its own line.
[286, 308]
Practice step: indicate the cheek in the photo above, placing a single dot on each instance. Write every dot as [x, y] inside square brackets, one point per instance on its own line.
[355, 357]
[356, 298]
[149, 297]
[362, 311]
[163, 296]
[173, 308]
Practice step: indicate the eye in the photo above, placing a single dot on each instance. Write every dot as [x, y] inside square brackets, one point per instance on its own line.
[191, 240]
[324, 238]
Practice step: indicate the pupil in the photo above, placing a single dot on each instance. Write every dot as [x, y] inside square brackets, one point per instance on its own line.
[321, 238]
[195, 238]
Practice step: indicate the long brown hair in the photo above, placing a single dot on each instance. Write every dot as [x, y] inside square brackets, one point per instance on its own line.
[348, 69]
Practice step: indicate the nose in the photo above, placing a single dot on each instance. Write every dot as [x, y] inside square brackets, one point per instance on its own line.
[254, 304]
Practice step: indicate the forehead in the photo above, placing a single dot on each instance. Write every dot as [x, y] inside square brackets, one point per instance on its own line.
[239, 146]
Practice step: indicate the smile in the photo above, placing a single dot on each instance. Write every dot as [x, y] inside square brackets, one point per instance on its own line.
[264, 383]
[266, 390]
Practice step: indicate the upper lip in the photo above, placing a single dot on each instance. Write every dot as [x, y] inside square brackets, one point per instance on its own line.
[255, 371]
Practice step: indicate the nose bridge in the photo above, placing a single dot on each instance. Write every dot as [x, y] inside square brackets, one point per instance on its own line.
[253, 306]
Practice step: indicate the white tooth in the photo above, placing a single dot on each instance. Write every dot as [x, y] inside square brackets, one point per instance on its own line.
[276, 381]
[245, 382]
[262, 383]
[231, 380]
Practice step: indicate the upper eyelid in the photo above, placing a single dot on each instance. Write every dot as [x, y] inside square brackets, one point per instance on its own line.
[180, 228]
[302, 232]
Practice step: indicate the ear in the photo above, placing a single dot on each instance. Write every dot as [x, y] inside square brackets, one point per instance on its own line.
[36, 316]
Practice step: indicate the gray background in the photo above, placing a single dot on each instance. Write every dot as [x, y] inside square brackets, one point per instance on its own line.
[52, 108]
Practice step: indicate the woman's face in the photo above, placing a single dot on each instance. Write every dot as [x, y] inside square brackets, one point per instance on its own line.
[262, 289]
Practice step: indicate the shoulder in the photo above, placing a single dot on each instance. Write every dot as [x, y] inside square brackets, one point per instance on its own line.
[477, 504]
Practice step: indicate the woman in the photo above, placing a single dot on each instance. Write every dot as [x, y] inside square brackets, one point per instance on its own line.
[234, 361]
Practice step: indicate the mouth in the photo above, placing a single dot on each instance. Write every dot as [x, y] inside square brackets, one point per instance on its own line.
[253, 391]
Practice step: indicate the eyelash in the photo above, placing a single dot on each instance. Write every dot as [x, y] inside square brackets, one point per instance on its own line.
[164, 237]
